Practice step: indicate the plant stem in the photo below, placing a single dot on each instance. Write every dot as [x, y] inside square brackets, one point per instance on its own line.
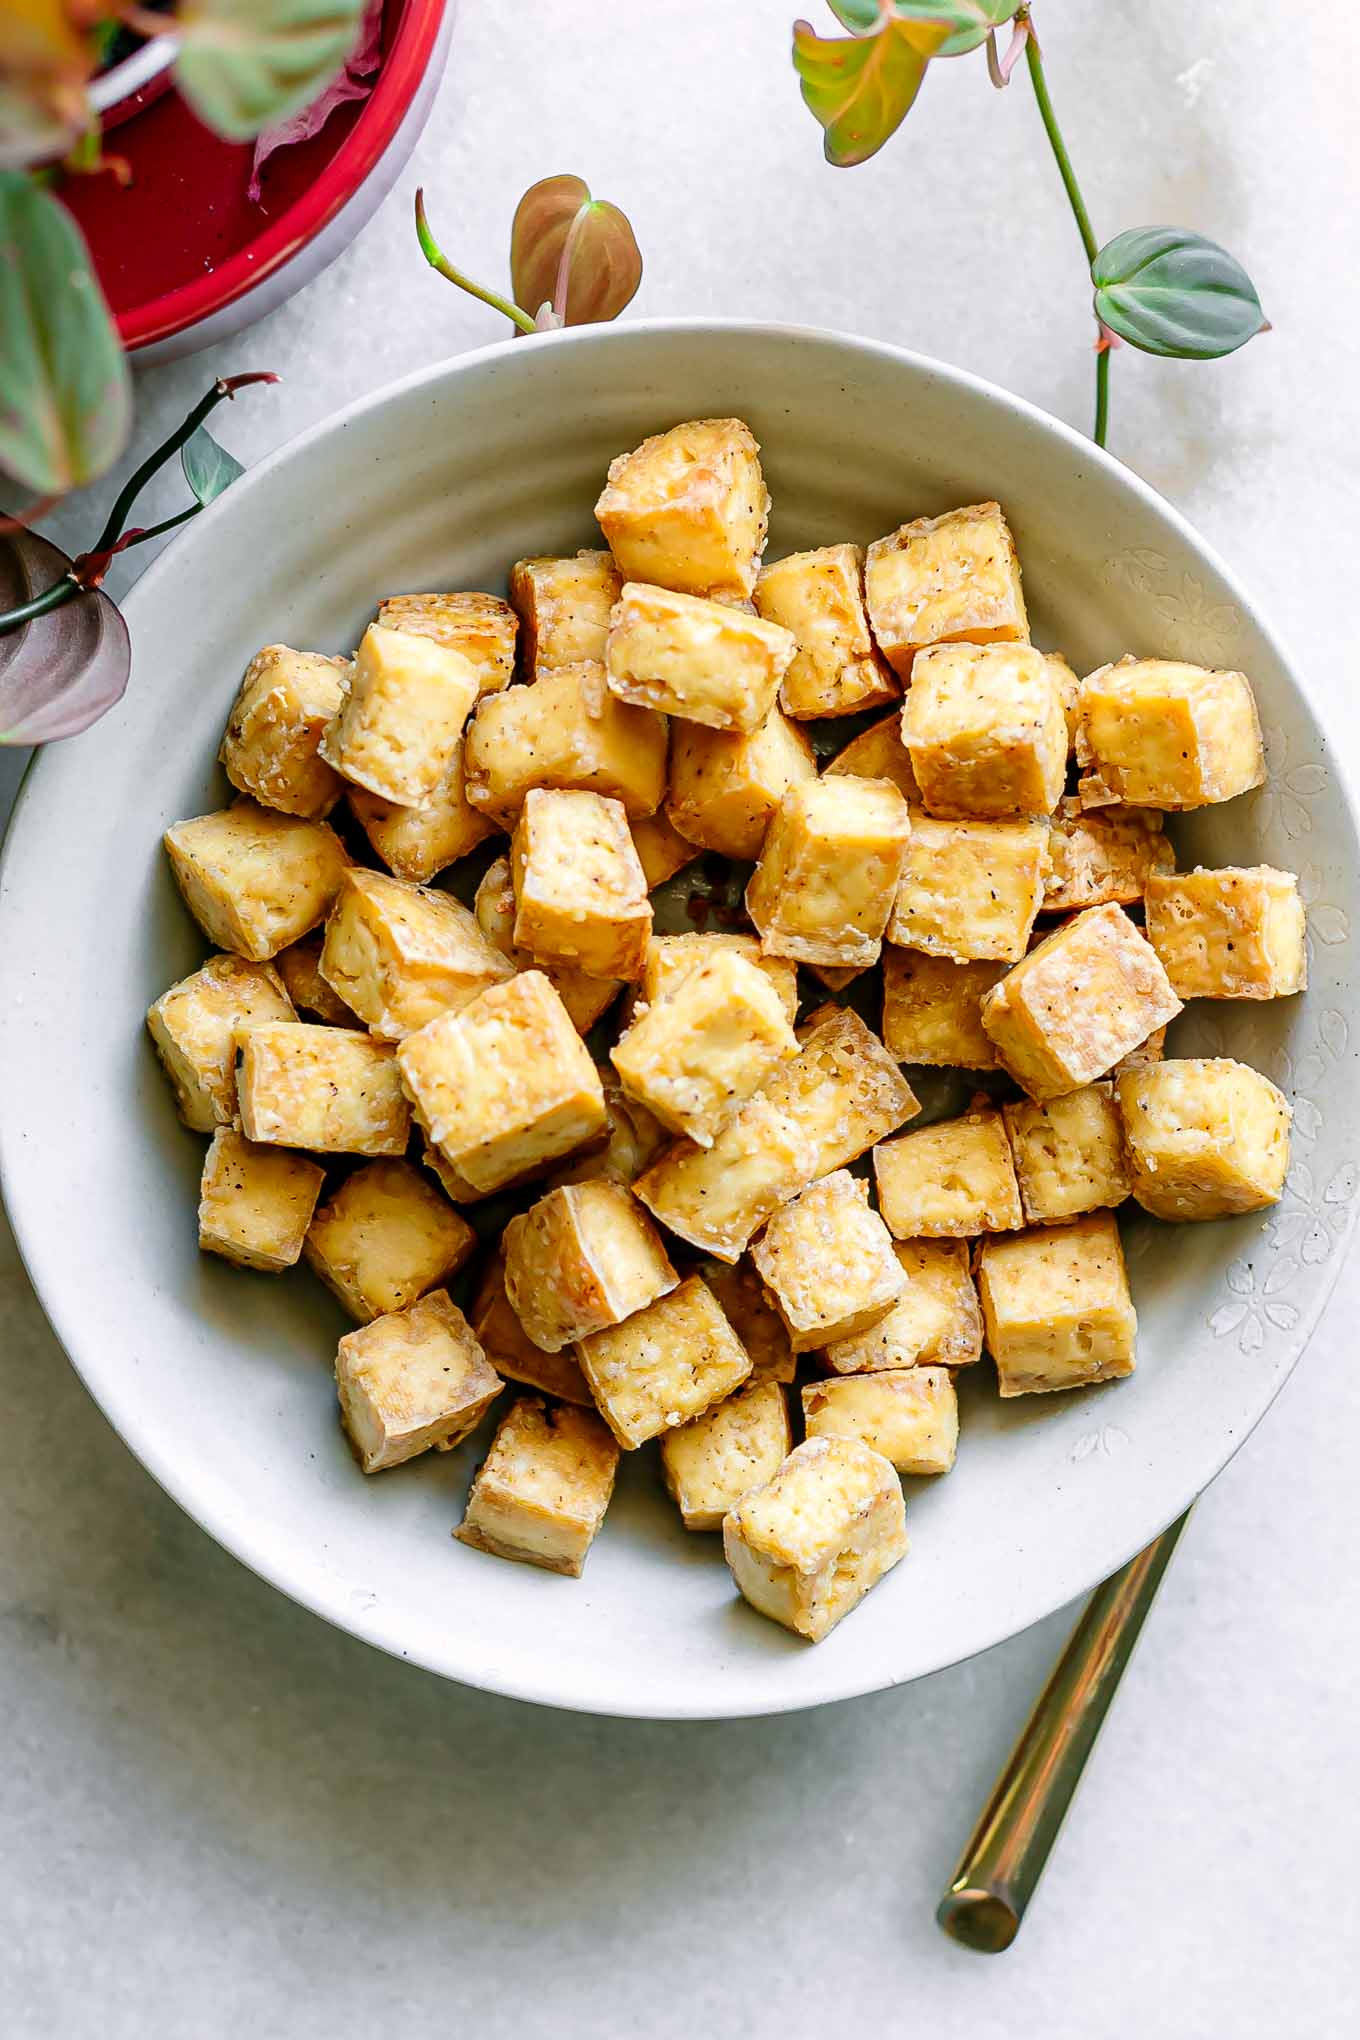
[440, 262]
[1035, 64]
[51, 598]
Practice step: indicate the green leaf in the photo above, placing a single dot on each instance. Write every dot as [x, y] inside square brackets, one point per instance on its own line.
[65, 392]
[573, 252]
[860, 90]
[1169, 291]
[208, 467]
[245, 65]
[966, 23]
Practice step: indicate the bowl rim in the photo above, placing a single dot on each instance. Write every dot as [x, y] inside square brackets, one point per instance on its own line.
[330, 1602]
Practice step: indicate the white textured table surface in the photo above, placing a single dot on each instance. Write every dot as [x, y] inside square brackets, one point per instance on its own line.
[220, 1817]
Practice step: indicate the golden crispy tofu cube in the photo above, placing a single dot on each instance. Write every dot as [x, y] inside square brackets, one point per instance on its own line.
[513, 1353]
[827, 1263]
[194, 1024]
[754, 1319]
[399, 954]
[738, 1445]
[331, 1090]
[941, 579]
[932, 1009]
[580, 892]
[806, 1548]
[688, 508]
[568, 733]
[837, 668]
[415, 843]
[1069, 1154]
[584, 1257]
[1235, 933]
[299, 966]
[412, 1379]
[255, 1203]
[633, 1140]
[909, 1414]
[563, 607]
[985, 731]
[541, 1493]
[829, 870]
[1056, 1306]
[879, 753]
[1102, 856]
[1069, 693]
[386, 1237]
[936, 1320]
[584, 997]
[505, 1085]
[481, 627]
[402, 719]
[664, 1365]
[1089, 992]
[697, 1053]
[670, 957]
[271, 746]
[1158, 733]
[661, 850]
[253, 879]
[949, 1181]
[970, 890]
[704, 661]
[725, 785]
[1207, 1137]
[845, 1090]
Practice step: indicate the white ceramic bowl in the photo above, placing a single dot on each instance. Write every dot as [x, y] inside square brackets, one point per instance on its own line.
[221, 1382]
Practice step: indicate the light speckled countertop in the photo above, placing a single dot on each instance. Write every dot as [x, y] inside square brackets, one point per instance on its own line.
[221, 1817]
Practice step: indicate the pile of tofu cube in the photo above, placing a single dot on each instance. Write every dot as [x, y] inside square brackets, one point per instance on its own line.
[678, 1228]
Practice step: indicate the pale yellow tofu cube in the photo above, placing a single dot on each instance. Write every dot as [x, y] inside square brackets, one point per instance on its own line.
[845, 1090]
[328, 1089]
[580, 892]
[664, 1365]
[829, 870]
[738, 1445]
[415, 843]
[398, 954]
[1162, 734]
[1069, 1153]
[481, 627]
[271, 746]
[985, 731]
[513, 1353]
[566, 732]
[932, 1009]
[194, 1024]
[584, 997]
[1100, 856]
[1069, 693]
[255, 1203]
[704, 661]
[879, 753]
[1089, 992]
[909, 1414]
[1234, 933]
[970, 890]
[837, 668]
[505, 1085]
[726, 785]
[563, 607]
[402, 719]
[688, 508]
[584, 1257]
[299, 965]
[952, 1180]
[386, 1237]
[662, 850]
[754, 1319]
[670, 957]
[827, 1263]
[254, 879]
[633, 1140]
[1056, 1307]
[410, 1380]
[696, 1053]
[941, 579]
[806, 1548]
[936, 1321]
[1207, 1137]
[541, 1493]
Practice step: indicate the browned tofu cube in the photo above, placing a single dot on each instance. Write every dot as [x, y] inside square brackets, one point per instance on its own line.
[1089, 992]
[704, 661]
[985, 730]
[1207, 1137]
[909, 1414]
[664, 1365]
[970, 890]
[541, 1493]
[710, 1463]
[584, 1257]
[698, 1052]
[936, 1321]
[194, 1024]
[1158, 733]
[481, 627]
[271, 746]
[1102, 856]
[566, 732]
[829, 870]
[725, 785]
[952, 1180]
[633, 1140]
[1147, 1052]
[688, 508]
[806, 1548]
[412, 1379]
[661, 850]
[402, 718]
[941, 579]
[879, 753]
[580, 892]
[255, 1203]
[844, 1090]
[1229, 934]
[513, 1353]
[837, 668]
[932, 1009]
[670, 957]
[584, 997]
[1069, 1153]
[754, 1319]
[384, 1238]
[1069, 692]
[399, 954]
[1056, 1307]
[256, 880]
[827, 1263]
[299, 966]
[330, 1090]
[563, 607]
[415, 843]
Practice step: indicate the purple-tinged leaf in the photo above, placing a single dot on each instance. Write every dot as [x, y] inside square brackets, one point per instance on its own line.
[62, 671]
[573, 252]
[355, 81]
